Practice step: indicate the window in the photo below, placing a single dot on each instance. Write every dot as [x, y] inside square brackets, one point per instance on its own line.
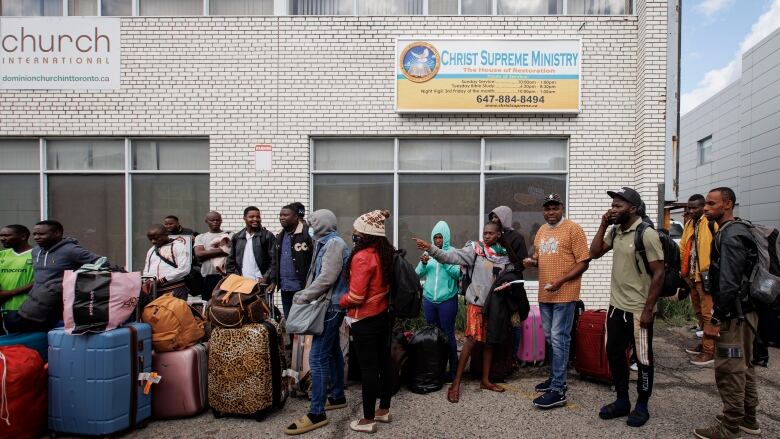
[476, 7]
[82, 7]
[170, 7]
[457, 180]
[705, 150]
[20, 181]
[116, 8]
[322, 7]
[88, 186]
[390, 7]
[241, 7]
[32, 8]
[529, 7]
[599, 7]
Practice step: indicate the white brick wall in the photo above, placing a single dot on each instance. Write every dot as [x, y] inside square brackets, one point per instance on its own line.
[280, 80]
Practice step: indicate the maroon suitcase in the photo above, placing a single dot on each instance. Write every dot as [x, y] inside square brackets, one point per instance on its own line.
[591, 356]
[182, 391]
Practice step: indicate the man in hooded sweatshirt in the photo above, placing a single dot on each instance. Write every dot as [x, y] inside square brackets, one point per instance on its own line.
[54, 254]
[440, 302]
[326, 361]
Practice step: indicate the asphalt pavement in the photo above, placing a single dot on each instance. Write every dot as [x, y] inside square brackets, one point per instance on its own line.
[684, 398]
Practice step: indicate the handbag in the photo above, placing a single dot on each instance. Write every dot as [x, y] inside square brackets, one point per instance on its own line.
[236, 301]
[308, 318]
[96, 299]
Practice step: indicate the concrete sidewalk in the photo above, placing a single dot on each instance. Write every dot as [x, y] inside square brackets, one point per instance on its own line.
[684, 398]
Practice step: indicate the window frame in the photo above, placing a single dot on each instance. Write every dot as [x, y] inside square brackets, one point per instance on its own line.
[482, 171]
[43, 173]
[700, 149]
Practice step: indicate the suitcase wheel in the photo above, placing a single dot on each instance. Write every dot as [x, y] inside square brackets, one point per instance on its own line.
[217, 413]
[260, 416]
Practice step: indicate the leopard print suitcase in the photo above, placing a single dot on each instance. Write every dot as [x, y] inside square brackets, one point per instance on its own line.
[245, 370]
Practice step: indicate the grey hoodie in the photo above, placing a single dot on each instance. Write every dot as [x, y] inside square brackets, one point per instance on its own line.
[44, 302]
[504, 214]
[326, 272]
[481, 269]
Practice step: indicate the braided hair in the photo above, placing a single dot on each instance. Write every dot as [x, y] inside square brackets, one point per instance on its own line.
[384, 249]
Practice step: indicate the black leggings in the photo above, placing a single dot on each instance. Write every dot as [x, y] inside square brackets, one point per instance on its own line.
[372, 345]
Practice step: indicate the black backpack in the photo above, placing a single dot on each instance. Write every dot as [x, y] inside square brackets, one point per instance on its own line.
[673, 283]
[406, 291]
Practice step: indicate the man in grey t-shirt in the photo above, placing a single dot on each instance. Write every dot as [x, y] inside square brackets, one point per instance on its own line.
[212, 249]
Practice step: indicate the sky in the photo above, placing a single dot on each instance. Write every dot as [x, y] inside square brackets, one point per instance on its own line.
[715, 33]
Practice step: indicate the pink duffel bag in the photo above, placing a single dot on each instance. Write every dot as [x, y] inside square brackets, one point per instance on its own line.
[96, 299]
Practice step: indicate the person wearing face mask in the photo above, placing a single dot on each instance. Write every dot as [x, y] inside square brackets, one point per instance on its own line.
[484, 260]
[326, 361]
[634, 292]
[370, 272]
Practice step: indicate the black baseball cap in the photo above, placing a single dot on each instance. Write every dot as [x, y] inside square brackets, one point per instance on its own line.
[627, 194]
[552, 199]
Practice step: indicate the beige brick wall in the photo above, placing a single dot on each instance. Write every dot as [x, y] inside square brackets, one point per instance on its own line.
[280, 80]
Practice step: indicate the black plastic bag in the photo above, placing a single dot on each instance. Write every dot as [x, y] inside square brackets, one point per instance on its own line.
[428, 353]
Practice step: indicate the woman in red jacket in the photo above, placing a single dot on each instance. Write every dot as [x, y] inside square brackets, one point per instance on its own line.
[370, 270]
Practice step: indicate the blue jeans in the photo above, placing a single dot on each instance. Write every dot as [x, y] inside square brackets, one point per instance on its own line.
[326, 362]
[442, 315]
[557, 319]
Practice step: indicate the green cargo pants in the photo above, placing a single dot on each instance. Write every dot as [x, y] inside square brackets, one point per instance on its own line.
[735, 375]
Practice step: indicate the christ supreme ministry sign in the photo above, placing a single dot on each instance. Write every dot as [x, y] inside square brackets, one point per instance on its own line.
[487, 75]
[60, 53]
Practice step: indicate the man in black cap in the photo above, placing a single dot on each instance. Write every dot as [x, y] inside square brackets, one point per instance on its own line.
[633, 294]
[562, 255]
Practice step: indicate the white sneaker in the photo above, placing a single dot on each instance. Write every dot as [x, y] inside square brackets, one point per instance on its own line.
[700, 334]
[363, 428]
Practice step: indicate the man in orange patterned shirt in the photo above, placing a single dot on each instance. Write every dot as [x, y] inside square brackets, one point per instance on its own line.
[562, 254]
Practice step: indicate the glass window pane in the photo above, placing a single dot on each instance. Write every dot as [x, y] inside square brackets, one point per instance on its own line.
[241, 7]
[31, 8]
[322, 7]
[476, 7]
[523, 194]
[171, 7]
[156, 196]
[85, 154]
[529, 7]
[350, 196]
[92, 210]
[171, 154]
[424, 200]
[116, 8]
[525, 154]
[82, 7]
[20, 199]
[390, 7]
[439, 154]
[19, 155]
[442, 7]
[599, 7]
[353, 154]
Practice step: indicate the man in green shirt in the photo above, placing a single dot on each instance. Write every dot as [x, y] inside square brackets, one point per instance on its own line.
[634, 291]
[16, 268]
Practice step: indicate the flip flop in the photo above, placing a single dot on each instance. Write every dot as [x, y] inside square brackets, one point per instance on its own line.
[453, 395]
[304, 425]
[492, 388]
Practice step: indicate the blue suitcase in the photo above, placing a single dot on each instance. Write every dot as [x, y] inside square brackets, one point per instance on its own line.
[93, 380]
[33, 340]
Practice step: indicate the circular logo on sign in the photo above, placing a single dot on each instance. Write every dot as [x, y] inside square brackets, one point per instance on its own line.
[420, 62]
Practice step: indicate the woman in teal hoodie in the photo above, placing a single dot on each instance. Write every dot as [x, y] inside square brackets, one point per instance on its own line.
[440, 303]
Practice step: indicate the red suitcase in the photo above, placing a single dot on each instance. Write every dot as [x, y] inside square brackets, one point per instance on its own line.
[182, 391]
[591, 356]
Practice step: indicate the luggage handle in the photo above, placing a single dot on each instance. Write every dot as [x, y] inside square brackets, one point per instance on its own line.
[240, 321]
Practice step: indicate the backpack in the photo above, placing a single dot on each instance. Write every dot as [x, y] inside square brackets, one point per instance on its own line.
[175, 324]
[406, 291]
[673, 283]
[764, 279]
